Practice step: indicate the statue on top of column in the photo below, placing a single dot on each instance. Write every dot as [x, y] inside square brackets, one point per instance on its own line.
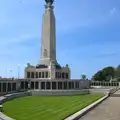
[49, 1]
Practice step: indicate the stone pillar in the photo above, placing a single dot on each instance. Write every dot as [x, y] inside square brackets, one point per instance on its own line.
[99, 83]
[45, 85]
[51, 85]
[23, 85]
[58, 74]
[119, 84]
[74, 84]
[34, 86]
[79, 85]
[11, 86]
[67, 85]
[34, 74]
[18, 85]
[39, 85]
[30, 74]
[62, 85]
[6, 87]
[105, 84]
[56, 85]
[48, 74]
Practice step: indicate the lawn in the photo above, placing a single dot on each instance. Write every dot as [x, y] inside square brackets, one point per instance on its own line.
[47, 107]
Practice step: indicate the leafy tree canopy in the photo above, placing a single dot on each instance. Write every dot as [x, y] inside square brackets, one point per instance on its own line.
[117, 73]
[83, 76]
[106, 74]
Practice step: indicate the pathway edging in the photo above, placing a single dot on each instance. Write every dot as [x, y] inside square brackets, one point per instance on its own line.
[82, 112]
[86, 109]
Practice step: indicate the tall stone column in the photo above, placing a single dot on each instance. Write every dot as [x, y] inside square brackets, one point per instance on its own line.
[48, 44]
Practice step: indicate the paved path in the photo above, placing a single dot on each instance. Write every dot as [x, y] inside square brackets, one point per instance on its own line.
[107, 110]
[117, 92]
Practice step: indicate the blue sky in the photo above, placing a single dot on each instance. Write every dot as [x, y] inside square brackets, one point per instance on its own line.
[88, 34]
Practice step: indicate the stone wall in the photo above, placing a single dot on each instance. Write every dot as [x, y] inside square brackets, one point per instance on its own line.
[12, 86]
[10, 97]
[59, 92]
[59, 84]
[13, 96]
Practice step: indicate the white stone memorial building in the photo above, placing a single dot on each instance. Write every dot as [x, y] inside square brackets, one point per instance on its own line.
[48, 67]
[48, 74]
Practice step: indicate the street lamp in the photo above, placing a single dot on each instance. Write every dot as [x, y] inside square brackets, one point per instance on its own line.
[5, 73]
[10, 73]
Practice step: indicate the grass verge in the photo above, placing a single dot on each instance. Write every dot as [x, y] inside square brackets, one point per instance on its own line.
[47, 107]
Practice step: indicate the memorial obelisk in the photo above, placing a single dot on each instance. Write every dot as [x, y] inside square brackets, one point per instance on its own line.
[48, 40]
[48, 68]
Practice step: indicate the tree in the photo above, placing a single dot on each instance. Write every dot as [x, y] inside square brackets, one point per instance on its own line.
[98, 76]
[109, 71]
[105, 74]
[117, 72]
[83, 76]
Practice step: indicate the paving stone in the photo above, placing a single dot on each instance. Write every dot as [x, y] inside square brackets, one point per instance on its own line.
[107, 110]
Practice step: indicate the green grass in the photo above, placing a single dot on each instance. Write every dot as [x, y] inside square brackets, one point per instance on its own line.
[47, 107]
